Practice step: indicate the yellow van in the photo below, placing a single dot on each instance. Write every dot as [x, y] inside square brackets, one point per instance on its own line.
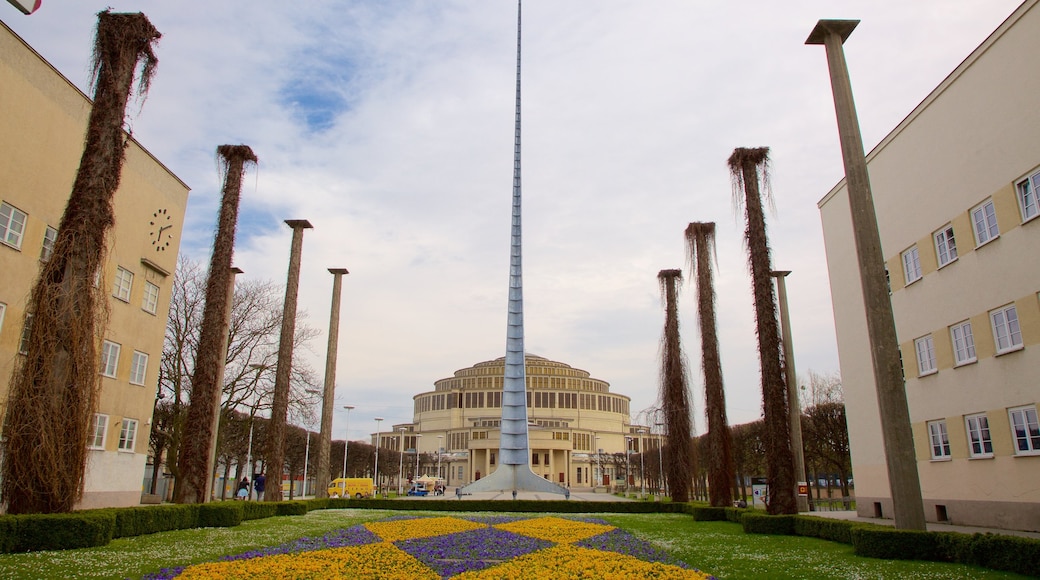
[356, 487]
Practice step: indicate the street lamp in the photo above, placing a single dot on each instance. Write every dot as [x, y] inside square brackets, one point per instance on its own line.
[642, 478]
[417, 455]
[660, 458]
[440, 451]
[628, 461]
[346, 437]
[375, 471]
[400, 460]
[306, 460]
[599, 465]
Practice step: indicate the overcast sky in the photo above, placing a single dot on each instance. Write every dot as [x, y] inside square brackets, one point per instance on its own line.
[389, 125]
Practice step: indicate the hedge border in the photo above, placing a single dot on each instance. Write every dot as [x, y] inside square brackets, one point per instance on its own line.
[36, 532]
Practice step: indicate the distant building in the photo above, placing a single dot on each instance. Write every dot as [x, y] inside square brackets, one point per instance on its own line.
[955, 189]
[43, 119]
[572, 416]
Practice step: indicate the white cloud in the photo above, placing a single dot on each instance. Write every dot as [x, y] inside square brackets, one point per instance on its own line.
[630, 111]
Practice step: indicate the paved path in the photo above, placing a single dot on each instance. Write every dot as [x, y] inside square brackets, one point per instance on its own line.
[580, 494]
[932, 526]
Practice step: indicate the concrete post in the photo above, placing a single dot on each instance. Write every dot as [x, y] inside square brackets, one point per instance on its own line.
[904, 481]
[791, 378]
[283, 372]
[329, 394]
[211, 458]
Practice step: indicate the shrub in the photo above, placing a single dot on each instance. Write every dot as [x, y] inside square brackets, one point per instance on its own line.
[889, 543]
[754, 523]
[708, 514]
[1007, 553]
[8, 533]
[258, 510]
[62, 531]
[824, 528]
[225, 514]
[291, 508]
[138, 521]
[317, 504]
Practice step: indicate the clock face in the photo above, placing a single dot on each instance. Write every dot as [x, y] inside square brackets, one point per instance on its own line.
[159, 230]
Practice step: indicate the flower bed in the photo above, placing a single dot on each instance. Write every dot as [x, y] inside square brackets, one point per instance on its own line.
[453, 547]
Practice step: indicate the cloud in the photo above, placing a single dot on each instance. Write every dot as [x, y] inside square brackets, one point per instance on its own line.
[389, 125]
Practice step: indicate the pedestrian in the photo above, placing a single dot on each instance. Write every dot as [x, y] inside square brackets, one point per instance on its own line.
[243, 488]
[258, 484]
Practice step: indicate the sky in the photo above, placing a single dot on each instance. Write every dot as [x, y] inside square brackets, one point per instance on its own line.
[389, 125]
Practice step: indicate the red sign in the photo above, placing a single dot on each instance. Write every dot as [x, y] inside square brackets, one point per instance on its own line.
[26, 6]
[803, 489]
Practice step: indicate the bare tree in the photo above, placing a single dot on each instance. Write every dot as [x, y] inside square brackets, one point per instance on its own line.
[675, 394]
[749, 453]
[56, 383]
[700, 245]
[827, 437]
[747, 167]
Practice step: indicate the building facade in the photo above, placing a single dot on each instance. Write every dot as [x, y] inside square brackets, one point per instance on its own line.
[43, 120]
[576, 426]
[955, 188]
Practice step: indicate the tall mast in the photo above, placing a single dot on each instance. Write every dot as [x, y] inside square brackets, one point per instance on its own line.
[514, 471]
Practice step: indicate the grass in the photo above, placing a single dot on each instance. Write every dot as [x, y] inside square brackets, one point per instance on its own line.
[719, 548]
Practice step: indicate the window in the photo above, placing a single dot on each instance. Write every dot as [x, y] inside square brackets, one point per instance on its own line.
[127, 434]
[1025, 430]
[122, 283]
[1027, 196]
[911, 265]
[138, 368]
[150, 301]
[925, 347]
[963, 343]
[984, 222]
[49, 237]
[1006, 331]
[109, 358]
[940, 442]
[979, 440]
[3, 310]
[945, 245]
[12, 225]
[23, 344]
[97, 435]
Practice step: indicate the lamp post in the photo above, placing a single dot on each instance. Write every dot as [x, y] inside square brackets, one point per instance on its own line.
[628, 460]
[440, 451]
[400, 460]
[599, 465]
[249, 457]
[375, 470]
[306, 460]
[417, 456]
[346, 437]
[660, 458]
[642, 478]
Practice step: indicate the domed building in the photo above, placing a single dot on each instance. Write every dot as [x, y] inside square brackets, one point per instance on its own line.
[574, 423]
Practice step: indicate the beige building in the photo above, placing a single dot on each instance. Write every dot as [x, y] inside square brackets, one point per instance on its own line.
[575, 423]
[43, 119]
[955, 188]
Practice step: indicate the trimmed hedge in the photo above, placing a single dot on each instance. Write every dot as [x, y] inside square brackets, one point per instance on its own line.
[34, 532]
[258, 510]
[139, 521]
[225, 514]
[290, 508]
[509, 505]
[825, 528]
[754, 523]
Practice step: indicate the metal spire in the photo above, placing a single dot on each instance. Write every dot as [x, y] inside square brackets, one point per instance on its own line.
[514, 471]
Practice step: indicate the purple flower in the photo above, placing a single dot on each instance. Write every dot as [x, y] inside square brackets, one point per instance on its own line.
[353, 536]
[622, 542]
[164, 574]
[474, 550]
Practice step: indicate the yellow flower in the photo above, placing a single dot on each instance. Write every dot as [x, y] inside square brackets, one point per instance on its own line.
[395, 530]
[555, 529]
[572, 562]
[369, 561]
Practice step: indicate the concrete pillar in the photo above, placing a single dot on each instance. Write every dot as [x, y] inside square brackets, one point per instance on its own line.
[329, 394]
[283, 372]
[211, 459]
[904, 481]
[791, 378]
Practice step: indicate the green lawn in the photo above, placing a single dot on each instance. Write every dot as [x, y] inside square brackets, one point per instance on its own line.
[720, 548]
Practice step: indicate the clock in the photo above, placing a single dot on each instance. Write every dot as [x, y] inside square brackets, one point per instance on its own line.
[159, 230]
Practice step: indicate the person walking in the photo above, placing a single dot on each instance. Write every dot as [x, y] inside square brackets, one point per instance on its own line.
[258, 485]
